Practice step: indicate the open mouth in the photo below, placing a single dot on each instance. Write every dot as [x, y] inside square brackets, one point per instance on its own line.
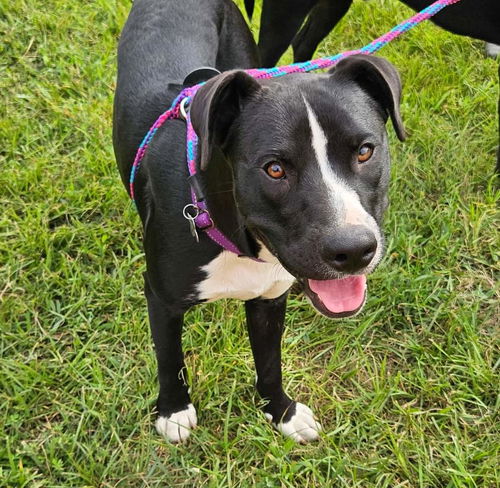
[343, 297]
[337, 298]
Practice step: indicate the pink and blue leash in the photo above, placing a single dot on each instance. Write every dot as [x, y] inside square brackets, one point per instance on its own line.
[201, 218]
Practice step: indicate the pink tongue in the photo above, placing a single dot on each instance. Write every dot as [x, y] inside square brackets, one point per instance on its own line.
[344, 295]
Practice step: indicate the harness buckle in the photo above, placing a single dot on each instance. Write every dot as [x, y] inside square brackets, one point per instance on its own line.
[204, 220]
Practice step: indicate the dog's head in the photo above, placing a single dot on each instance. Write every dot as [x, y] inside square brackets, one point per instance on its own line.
[309, 163]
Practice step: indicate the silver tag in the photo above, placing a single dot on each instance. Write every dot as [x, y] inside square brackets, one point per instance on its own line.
[192, 227]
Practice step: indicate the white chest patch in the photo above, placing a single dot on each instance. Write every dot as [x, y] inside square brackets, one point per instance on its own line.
[229, 276]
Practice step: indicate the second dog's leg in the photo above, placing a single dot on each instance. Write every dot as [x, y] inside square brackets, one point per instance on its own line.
[280, 21]
[265, 319]
[322, 19]
[176, 413]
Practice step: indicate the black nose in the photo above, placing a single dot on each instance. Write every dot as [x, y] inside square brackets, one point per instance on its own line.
[351, 249]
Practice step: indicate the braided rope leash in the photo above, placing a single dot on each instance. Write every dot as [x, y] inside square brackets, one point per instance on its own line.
[202, 218]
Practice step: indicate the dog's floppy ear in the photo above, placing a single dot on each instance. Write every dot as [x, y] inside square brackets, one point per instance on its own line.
[380, 80]
[215, 107]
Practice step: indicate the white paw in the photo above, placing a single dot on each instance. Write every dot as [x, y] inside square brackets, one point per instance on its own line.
[177, 427]
[302, 427]
[492, 50]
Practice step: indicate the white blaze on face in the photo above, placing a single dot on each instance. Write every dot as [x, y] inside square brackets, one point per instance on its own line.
[344, 201]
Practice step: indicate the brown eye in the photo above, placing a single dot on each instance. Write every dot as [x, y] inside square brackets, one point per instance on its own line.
[275, 170]
[365, 152]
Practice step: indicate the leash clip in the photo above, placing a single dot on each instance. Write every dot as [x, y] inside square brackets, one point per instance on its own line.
[190, 217]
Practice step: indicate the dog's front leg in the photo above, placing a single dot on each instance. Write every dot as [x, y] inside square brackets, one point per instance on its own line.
[176, 413]
[265, 320]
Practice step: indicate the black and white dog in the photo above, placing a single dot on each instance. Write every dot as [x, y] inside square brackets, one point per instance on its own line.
[295, 169]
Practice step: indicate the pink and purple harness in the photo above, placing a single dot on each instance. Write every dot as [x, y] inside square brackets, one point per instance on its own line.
[197, 212]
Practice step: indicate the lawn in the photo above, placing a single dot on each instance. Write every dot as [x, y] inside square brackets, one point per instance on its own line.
[407, 392]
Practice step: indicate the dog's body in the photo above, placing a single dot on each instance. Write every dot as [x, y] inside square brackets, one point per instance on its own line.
[295, 172]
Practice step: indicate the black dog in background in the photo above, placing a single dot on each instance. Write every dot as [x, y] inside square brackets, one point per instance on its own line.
[282, 24]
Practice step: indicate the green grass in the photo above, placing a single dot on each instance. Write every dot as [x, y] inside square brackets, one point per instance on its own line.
[407, 392]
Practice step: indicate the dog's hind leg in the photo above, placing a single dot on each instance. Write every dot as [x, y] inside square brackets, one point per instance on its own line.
[176, 413]
[280, 21]
[321, 20]
[265, 321]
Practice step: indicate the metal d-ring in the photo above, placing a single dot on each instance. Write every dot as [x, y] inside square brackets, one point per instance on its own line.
[191, 218]
[187, 215]
[183, 109]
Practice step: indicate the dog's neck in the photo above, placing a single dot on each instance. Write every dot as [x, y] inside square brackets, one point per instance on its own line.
[218, 182]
